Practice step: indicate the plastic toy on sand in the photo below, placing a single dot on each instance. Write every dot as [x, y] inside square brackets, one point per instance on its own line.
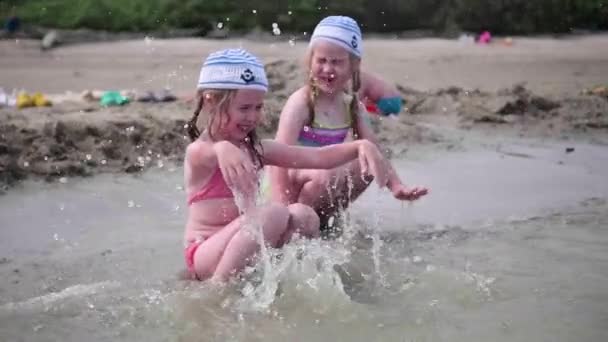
[384, 107]
[25, 100]
[113, 98]
[485, 38]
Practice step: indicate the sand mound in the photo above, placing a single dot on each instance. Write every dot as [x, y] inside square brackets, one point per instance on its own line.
[514, 105]
[82, 139]
[55, 143]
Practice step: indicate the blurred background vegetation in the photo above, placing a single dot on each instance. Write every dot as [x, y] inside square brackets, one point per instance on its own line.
[439, 16]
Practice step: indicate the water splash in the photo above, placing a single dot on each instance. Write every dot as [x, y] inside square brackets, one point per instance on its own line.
[275, 29]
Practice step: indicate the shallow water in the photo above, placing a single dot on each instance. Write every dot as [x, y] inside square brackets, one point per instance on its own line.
[511, 245]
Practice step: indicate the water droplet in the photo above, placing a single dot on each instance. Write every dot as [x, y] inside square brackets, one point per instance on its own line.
[254, 11]
[176, 208]
[46, 158]
[103, 162]
[160, 164]
[417, 259]
[62, 206]
[276, 31]
[289, 12]
[91, 306]
[150, 152]
[148, 40]
[130, 204]
[88, 156]
[38, 327]
[26, 164]
[430, 268]
[220, 25]
[330, 222]
[275, 25]
[56, 237]
[63, 180]
[292, 41]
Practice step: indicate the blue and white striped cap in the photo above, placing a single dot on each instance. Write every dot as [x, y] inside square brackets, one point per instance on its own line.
[232, 69]
[340, 30]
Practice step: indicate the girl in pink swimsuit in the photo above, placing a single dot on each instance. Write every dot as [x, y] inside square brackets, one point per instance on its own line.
[222, 163]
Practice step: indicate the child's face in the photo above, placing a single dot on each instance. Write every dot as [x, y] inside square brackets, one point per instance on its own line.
[244, 112]
[330, 67]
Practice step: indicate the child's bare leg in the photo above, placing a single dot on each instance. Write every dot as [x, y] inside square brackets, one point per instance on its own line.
[302, 220]
[243, 245]
[346, 185]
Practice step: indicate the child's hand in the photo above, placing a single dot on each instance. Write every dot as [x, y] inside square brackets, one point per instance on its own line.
[236, 166]
[403, 193]
[372, 162]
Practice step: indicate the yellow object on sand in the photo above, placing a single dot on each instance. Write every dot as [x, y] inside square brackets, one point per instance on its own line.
[24, 100]
[40, 100]
[600, 91]
[597, 90]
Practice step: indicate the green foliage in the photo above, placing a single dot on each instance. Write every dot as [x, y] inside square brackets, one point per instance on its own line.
[499, 16]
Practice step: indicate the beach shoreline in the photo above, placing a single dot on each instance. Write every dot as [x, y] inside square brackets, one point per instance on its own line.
[495, 90]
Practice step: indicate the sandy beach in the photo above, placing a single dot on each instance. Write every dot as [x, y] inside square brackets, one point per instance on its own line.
[534, 88]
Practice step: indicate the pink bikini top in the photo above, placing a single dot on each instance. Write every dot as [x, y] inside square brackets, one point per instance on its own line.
[214, 189]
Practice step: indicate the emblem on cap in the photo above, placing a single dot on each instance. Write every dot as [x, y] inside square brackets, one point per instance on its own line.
[247, 76]
[354, 42]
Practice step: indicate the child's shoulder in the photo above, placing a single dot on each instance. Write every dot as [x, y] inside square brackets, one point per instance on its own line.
[300, 96]
[297, 103]
[199, 151]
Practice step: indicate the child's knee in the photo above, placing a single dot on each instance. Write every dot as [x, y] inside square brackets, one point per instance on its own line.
[304, 219]
[276, 218]
[276, 212]
[319, 182]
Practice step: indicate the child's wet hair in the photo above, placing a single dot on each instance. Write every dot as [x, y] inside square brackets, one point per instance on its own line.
[215, 104]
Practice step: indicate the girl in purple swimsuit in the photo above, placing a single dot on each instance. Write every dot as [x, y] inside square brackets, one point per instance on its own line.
[321, 113]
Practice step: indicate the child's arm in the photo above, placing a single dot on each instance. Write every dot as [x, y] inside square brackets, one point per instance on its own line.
[327, 157]
[200, 155]
[235, 165]
[395, 185]
[374, 88]
[380, 96]
[293, 118]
